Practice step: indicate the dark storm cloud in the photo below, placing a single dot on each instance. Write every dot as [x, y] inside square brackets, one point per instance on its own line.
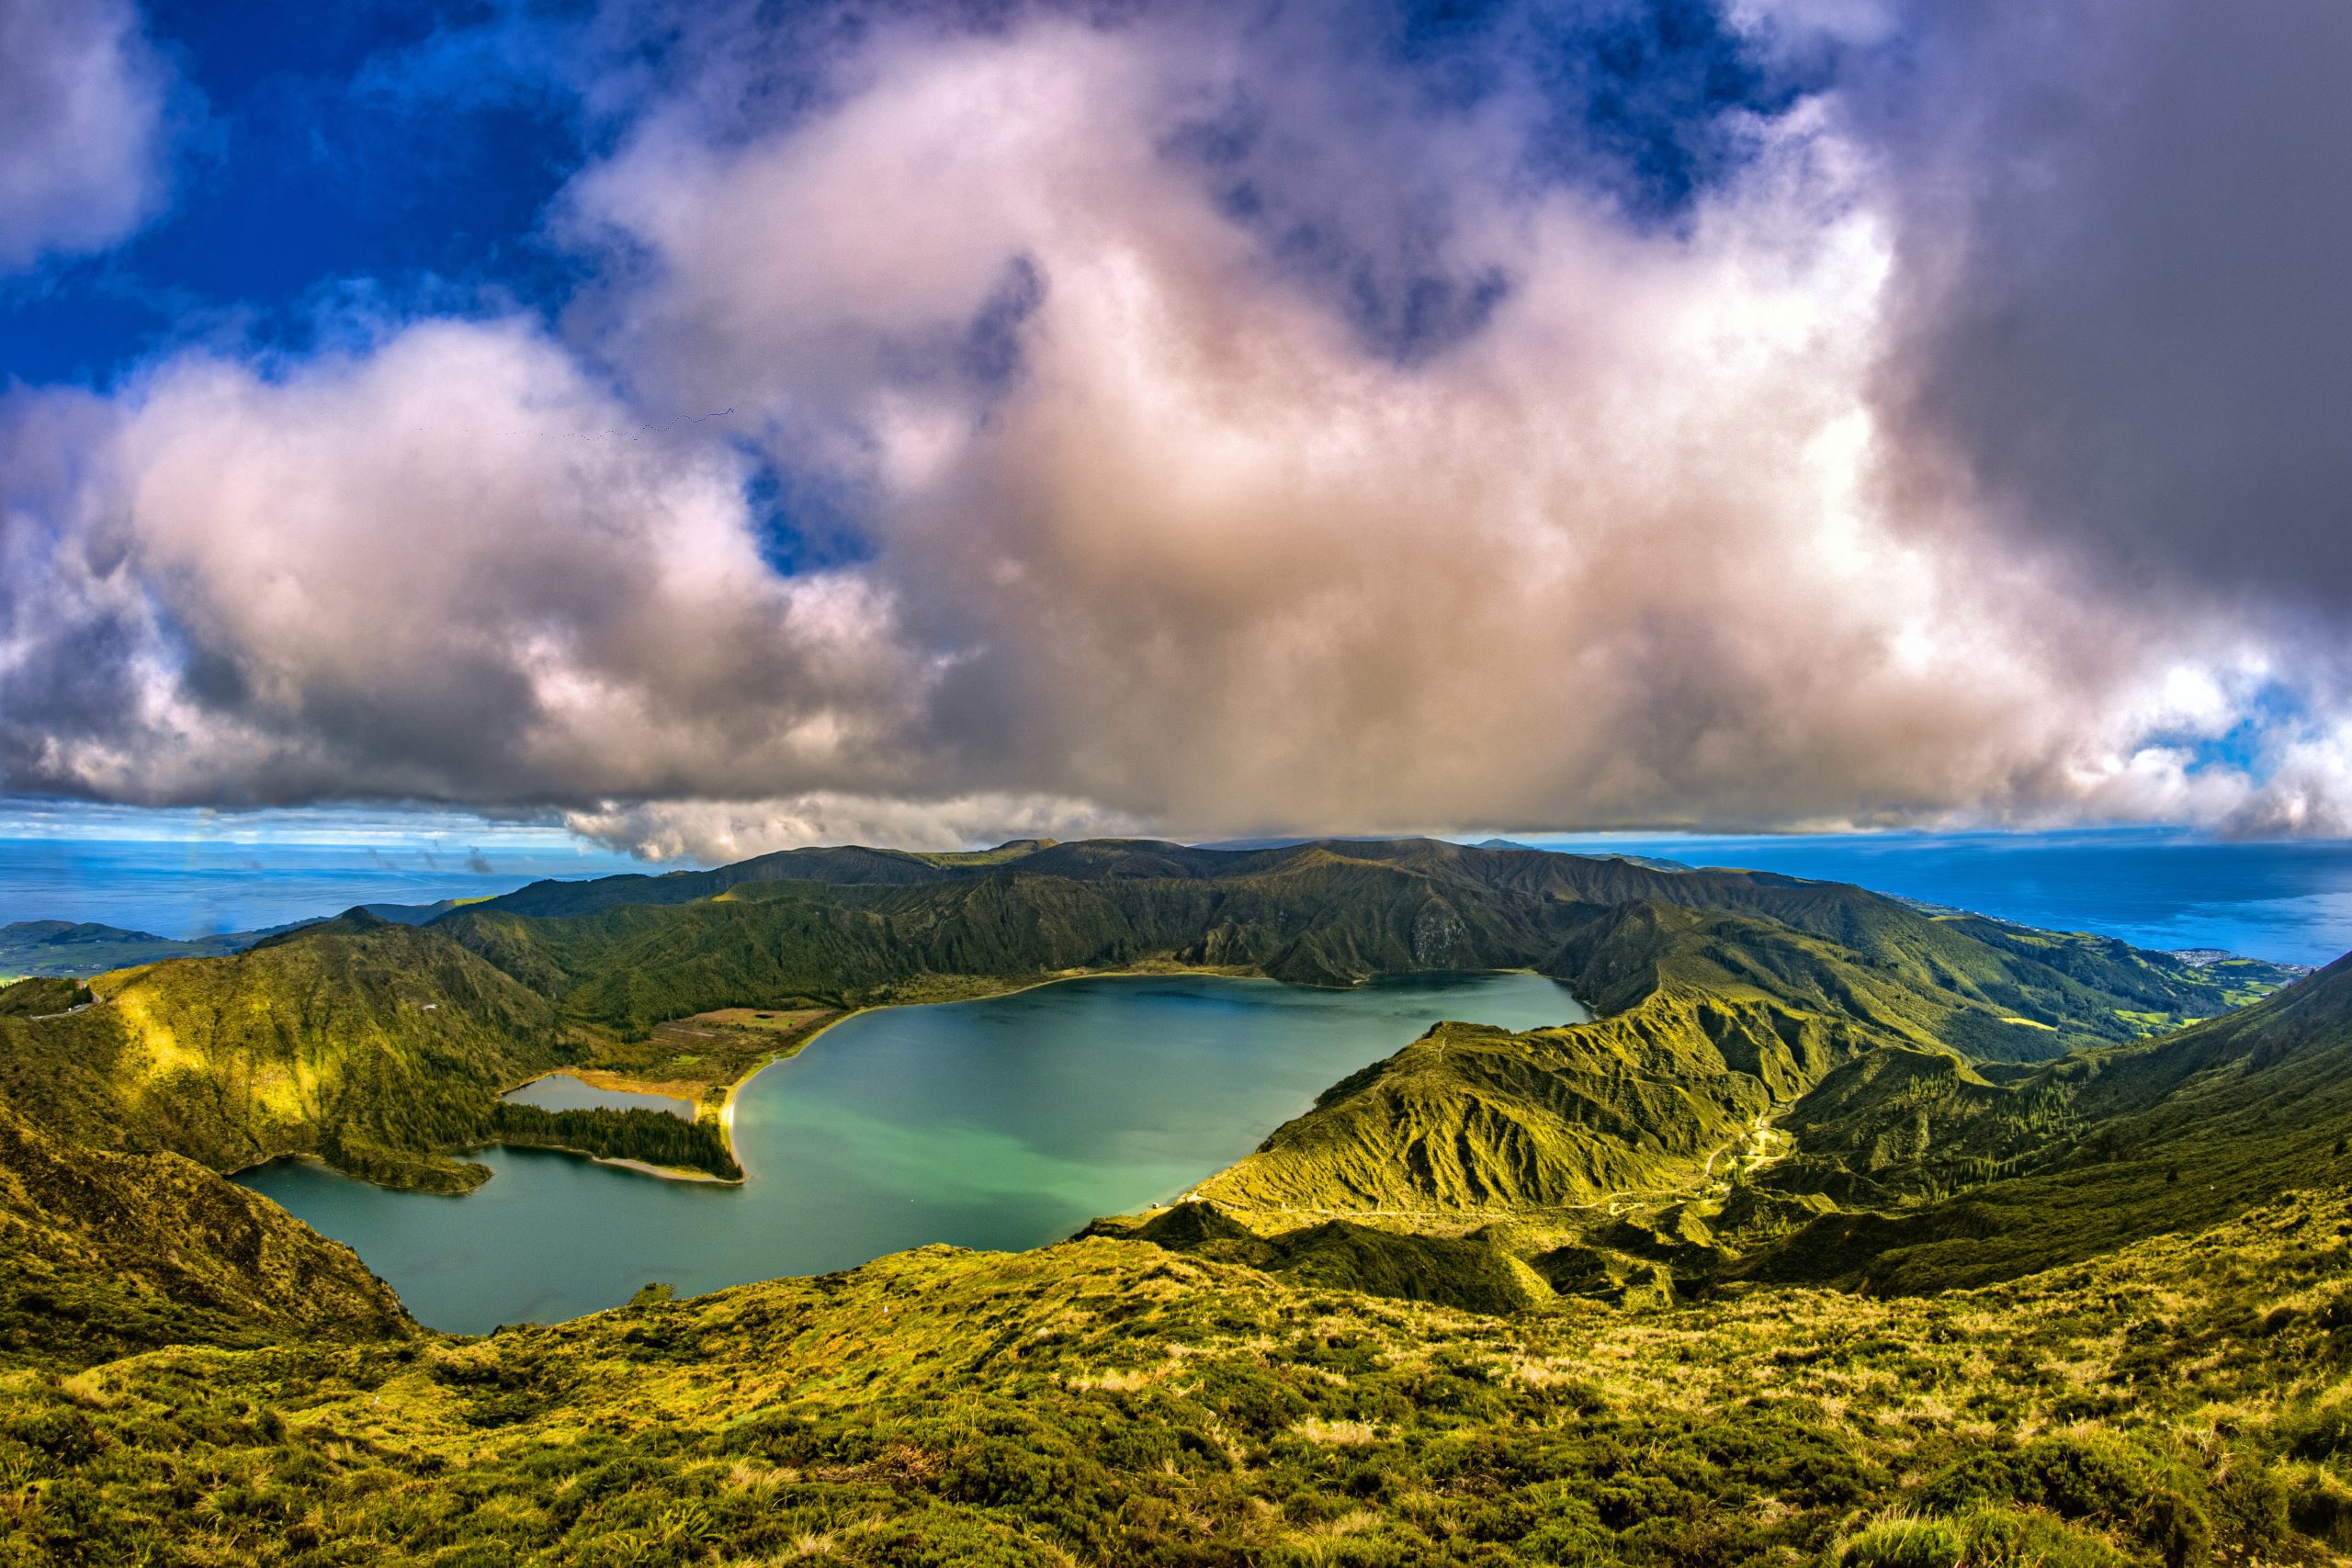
[2125, 236]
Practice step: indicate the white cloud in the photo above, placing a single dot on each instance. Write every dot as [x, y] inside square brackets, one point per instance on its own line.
[440, 568]
[1159, 530]
[83, 127]
[715, 831]
[1620, 558]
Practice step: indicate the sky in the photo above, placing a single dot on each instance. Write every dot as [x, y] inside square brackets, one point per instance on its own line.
[706, 429]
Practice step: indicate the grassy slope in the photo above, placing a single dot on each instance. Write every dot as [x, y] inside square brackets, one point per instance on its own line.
[845, 866]
[1710, 1021]
[1108, 1402]
[1889, 1164]
[1468, 1119]
[370, 1044]
[1228, 1396]
[2090, 1153]
[378, 1046]
[39, 996]
[66, 948]
[1319, 914]
[103, 1255]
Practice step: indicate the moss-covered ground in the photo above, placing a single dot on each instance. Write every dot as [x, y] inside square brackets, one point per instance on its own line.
[2187, 1400]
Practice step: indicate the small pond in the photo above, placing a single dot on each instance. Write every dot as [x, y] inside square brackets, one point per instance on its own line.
[561, 1092]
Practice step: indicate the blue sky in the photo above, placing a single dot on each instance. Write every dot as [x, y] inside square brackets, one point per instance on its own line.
[404, 156]
[398, 153]
[1545, 414]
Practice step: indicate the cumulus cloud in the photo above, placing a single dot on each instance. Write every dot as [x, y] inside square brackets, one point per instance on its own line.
[83, 122]
[715, 831]
[1241, 435]
[439, 568]
[1213, 558]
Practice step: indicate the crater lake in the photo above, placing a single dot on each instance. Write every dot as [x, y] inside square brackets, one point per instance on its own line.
[1005, 1122]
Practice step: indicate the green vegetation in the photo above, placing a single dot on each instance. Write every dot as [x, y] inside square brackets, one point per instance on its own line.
[42, 996]
[690, 1057]
[65, 948]
[1984, 1180]
[371, 1044]
[104, 1255]
[50, 948]
[2180, 1402]
[1846, 1233]
[1713, 1141]
[652, 1137]
[379, 1046]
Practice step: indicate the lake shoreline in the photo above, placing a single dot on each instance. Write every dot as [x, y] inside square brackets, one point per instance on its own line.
[643, 1168]
[731, 1090]
[1216, 971]
[1006, 1126]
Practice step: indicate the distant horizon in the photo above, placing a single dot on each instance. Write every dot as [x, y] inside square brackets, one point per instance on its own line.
[2174, 888]
[427, 831]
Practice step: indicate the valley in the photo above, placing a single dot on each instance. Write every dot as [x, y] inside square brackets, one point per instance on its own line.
[1008, 1122]
[1700, 1217]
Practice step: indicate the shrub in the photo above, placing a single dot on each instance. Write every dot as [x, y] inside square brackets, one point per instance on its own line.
[2095, 1476]
[1902, 1540]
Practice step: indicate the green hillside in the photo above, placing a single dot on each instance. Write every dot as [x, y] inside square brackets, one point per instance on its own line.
[1317, 914]
[2179, 1403]
[372, 1045]
[380, 1046]
[1714, 1026]
[85, 948]
[42, 997]
[1847, 1231]
[1468, 1119]
[2082, 1154]
[104, 1255]
[1722, 1137]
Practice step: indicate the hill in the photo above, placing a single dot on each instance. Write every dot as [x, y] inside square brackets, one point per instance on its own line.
[67, 948]
[105, 1255]
[380, 1046]
[1327, 913]
[2083, 1154]
[85, 948]
[43, 996]
[842, 865]
[1723, 1140]
[372, 1045]
[1468, 1119]
[1103, 1401]
[1848, 1232]
[1711, 1025]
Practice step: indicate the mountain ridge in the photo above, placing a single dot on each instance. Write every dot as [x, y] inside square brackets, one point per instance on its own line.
[381, 1045]
[1846, 1233]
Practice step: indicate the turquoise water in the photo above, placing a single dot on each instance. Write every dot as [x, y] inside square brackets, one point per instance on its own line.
[1007, 1124]
[558, 1092]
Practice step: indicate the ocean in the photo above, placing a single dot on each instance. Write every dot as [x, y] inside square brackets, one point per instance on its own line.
[189, 888]
[2288, 902]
